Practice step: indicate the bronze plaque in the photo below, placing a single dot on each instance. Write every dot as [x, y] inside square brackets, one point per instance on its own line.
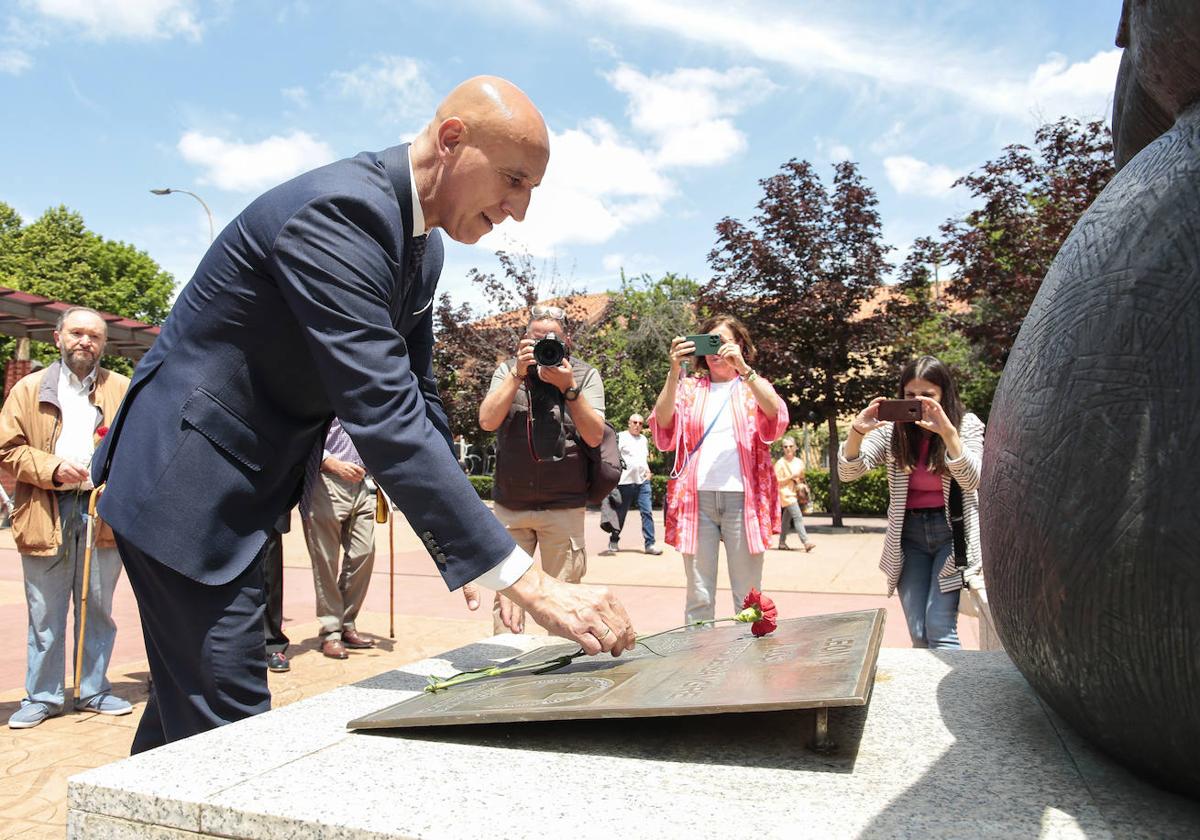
[813, 662]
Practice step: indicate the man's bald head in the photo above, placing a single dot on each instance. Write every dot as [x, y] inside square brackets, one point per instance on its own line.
[478, 160]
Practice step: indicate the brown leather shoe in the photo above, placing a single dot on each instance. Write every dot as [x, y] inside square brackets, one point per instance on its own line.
[334, 649]
[352, 639]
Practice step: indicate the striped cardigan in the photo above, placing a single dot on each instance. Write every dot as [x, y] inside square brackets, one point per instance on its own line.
[876, 449]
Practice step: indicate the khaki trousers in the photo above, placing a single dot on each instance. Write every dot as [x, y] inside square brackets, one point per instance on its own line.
[559, 536]
[341, 521]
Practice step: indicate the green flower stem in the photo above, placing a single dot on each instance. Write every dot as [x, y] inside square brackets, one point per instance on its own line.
[748, 615]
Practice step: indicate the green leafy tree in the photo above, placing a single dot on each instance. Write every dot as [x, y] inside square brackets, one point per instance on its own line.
[800, 274]
[630, 349]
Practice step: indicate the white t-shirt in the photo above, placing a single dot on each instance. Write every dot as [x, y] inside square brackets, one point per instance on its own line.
[718, 466]
[636, 455]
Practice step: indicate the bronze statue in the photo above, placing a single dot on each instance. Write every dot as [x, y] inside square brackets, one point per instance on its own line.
[1091, 475]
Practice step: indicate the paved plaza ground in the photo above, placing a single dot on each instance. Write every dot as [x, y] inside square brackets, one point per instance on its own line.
[839, 575]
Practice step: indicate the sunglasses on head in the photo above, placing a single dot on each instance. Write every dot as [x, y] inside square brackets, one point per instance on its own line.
[555, 312]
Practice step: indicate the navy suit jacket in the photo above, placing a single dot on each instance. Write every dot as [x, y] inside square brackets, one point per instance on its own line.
[303, 308]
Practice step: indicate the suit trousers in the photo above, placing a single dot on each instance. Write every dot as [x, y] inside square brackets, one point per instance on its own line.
[277, 640]
[340, 521]
[205, 645]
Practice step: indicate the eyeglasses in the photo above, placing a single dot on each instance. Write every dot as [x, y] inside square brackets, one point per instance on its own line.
[555, 312]
[635, 422]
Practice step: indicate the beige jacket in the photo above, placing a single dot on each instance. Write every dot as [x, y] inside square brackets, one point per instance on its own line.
[30, 423]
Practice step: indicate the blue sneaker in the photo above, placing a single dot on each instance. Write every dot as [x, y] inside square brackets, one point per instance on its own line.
[106, 704]
[29, 715]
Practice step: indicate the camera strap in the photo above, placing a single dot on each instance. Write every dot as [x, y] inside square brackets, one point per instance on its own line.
[679, 469]
[529, 421]
[958, 526]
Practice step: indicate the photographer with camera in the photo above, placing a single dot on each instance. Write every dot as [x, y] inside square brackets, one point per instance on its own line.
[545, 406]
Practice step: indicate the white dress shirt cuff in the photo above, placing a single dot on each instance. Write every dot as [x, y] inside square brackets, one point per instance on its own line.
[508, 571]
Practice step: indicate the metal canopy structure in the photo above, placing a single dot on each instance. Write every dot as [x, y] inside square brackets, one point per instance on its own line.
[25, 315]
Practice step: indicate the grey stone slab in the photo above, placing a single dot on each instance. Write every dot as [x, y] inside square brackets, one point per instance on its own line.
[951, 745]
[85, 826]
[812, 662]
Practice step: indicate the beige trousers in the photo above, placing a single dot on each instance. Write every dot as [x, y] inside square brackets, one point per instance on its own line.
[341, 521]
[558, 537]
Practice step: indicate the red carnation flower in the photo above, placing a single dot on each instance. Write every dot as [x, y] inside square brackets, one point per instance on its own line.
[761, 611]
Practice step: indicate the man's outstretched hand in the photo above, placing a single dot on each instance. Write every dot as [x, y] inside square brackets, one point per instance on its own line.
[589, 615]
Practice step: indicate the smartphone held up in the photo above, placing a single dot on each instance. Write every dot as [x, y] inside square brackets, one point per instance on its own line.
[705, 345]
[899, 411]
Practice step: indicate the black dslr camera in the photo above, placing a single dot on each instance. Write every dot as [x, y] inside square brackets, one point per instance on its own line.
[549, 351]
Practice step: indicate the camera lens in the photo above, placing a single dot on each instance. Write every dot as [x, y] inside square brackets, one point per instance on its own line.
[549, 352]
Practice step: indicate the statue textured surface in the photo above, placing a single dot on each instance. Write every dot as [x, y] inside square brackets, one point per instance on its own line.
[1090, 501]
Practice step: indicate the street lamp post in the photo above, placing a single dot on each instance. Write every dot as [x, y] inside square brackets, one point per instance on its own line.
[169, 190]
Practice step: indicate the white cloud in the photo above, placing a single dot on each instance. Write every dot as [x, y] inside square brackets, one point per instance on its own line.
[634, 265]
[915, 60]
[600, 182]
[249, 167]
[14, 62]
[297, 95]
[687, 111]
[909, 176]
[392, 85]
[1082, 89]
[597, 184]
[832, 151]
[133, 19]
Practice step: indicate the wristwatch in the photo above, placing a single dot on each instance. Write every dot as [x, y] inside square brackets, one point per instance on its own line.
[571, 393]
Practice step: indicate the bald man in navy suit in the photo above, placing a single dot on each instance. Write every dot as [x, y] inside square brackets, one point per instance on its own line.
[317, 300]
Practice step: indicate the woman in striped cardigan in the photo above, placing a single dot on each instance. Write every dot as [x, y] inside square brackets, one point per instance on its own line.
[922, 458]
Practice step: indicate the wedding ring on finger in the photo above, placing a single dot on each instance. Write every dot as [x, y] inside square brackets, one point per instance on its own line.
[602, 636]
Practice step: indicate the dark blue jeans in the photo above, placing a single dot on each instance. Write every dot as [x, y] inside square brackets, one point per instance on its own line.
[932, 615]
[629, 492]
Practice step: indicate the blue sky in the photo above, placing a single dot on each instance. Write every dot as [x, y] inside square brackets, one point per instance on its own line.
[664, 114]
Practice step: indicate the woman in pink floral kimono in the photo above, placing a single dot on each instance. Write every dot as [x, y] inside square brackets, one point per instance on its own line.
[723, 487]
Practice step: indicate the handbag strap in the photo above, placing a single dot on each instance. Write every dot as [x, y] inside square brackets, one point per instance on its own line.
[677, 470]
[958, 526]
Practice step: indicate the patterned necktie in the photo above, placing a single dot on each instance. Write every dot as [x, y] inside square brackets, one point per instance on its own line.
[416, 257]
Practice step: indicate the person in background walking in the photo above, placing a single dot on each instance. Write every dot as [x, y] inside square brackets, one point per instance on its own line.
[793, 496]
[634, 484]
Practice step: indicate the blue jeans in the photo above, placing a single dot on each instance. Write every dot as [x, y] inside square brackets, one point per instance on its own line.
[629, 492]
[932, 615]
[52, 584]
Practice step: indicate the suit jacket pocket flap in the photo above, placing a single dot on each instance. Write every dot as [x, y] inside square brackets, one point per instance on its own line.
[225, 429]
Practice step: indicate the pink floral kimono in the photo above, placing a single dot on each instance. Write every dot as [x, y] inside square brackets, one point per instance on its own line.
[754, 433]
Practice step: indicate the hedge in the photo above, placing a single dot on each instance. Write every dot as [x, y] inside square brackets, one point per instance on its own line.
[658, 488]
[483, 486]
[866, 496]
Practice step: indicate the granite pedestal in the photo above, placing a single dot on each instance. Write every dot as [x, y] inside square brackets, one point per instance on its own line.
[952, 744]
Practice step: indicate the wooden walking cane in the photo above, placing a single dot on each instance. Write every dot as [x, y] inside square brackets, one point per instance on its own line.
[92, 533]
[383, 514]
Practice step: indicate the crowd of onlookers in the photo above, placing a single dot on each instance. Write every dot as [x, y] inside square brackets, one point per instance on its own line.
[715, 415]
[719, 418]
